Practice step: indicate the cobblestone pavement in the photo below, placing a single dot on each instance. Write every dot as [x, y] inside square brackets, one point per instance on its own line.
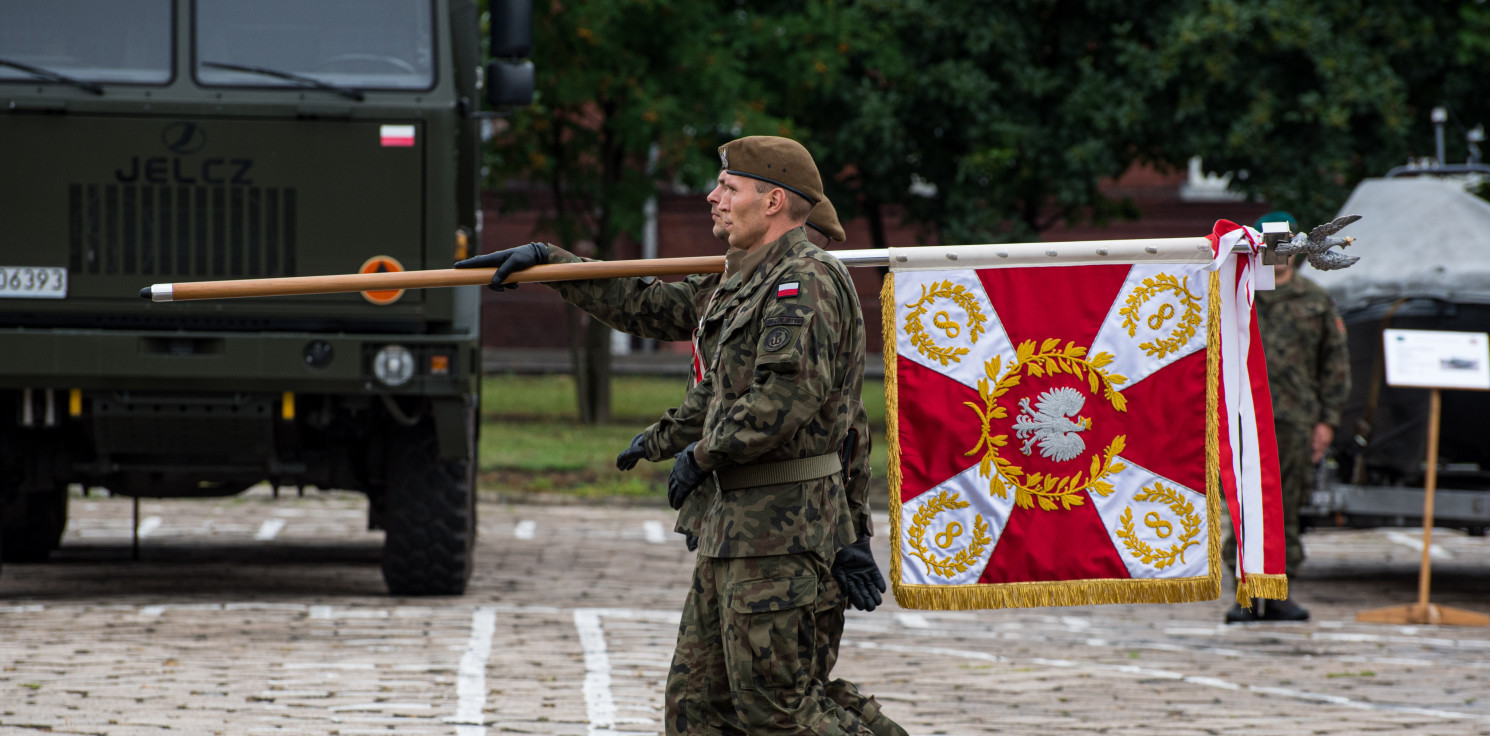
[253, 616]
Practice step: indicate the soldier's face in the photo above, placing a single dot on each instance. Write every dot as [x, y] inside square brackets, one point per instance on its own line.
[736, 206]
[720, 231]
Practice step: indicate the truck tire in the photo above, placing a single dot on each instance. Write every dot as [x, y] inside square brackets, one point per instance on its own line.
[32, 525]
[430, 521]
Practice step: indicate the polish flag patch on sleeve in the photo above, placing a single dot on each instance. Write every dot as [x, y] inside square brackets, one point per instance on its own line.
[787, 289]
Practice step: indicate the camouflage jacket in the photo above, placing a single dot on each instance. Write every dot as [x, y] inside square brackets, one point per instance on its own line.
[1308, 365]
[671, 311]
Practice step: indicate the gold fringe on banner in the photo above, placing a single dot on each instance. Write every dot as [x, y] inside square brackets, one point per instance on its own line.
[1072, 592]
[890, 339]
[1272, 587]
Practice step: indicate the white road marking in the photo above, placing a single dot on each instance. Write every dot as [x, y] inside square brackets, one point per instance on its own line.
[269, 529]
[525, 529]
[471, 682]
[653, 530]
[147, 525]
[599, 703]
[1416, 543]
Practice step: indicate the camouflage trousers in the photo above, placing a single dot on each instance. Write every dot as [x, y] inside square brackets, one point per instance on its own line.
[749, 655]
[1296, 474]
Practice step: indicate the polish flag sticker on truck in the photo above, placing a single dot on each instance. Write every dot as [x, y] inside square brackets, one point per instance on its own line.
[397, 136]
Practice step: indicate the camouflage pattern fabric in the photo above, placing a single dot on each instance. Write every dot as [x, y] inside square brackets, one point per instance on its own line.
[696, 692]
[1308, 364]
[781, 385]
[750, 625]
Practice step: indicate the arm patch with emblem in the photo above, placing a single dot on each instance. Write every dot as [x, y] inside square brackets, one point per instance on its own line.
[776, 338]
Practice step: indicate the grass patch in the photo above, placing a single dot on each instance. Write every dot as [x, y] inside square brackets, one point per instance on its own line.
[531, 440]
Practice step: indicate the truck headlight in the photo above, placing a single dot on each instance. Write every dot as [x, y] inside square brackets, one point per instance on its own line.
[393, 365]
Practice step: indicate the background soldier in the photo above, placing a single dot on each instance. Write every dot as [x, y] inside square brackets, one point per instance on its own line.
[779, 352]
[1309, 378]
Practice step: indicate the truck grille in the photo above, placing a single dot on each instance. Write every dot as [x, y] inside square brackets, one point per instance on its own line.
[181, 230]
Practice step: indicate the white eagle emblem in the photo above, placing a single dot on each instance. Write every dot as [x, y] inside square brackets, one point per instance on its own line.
[1049, 425]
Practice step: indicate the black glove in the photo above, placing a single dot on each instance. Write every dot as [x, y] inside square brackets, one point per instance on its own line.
[691, 540]
[629, 456]
[858, 576]
[685, 477]
[507, 261]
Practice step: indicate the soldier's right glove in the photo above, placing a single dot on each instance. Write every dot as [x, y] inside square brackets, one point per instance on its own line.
[685, 477]
[858, 576]
[632, 454]
[507, 261]
[690, 541]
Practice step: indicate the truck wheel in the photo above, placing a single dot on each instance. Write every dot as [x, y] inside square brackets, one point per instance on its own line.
[32, 525]
[430, 525]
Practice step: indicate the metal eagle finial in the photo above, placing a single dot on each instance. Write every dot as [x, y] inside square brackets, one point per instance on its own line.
[1316, 245]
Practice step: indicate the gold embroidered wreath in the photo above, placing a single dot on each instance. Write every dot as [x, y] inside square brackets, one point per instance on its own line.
[1179, 506]
[947, 566]
[1046, 489]
[917, 331]
[1184, 329]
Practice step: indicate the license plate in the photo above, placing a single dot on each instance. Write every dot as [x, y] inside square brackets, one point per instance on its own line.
[33, 282]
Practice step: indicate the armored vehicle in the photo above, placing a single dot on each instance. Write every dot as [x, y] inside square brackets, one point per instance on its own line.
[157, 141]
[1423, 266]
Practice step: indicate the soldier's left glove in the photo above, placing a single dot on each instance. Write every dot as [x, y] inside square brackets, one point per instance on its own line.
[858, 576]
[685, 477]
[507, 261]
[633, 453]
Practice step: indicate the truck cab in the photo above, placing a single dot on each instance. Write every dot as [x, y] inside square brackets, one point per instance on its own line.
[160, 141]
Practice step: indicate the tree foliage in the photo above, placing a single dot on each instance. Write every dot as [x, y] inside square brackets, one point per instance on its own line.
[1308, 98]
[984, 121]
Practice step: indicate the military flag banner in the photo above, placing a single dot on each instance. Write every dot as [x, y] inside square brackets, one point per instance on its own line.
[1068, 435]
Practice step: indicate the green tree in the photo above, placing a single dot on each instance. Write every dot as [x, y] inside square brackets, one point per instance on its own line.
[1304, 99]
[1005, 116]
[631, 95]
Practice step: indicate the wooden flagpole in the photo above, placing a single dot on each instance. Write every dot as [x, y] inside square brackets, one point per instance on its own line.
[1088, 252]
[392, 280]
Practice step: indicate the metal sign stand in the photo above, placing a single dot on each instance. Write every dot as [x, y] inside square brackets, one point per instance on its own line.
[1430, 360]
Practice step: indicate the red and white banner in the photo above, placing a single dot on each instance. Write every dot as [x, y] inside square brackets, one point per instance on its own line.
[1065, 435]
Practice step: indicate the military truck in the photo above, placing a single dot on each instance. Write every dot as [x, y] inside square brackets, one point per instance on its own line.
[1423, 267]
[157, 141]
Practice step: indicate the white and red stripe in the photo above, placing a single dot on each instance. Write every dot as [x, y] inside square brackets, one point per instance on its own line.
[396, 136]
[786, 289]
[1249, 449]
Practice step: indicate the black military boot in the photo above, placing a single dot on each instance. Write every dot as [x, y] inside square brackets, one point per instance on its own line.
[1239, 614]
[1284, 610]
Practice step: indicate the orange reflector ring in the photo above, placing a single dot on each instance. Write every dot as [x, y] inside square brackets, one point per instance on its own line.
[439, 365]
[382, 264]
[287, 406]
[75, 402]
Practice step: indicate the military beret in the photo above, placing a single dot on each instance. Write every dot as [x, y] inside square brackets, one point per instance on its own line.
[780, 161]
[824, 219]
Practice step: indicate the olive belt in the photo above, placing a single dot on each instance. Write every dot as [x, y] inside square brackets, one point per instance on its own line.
[778, 473]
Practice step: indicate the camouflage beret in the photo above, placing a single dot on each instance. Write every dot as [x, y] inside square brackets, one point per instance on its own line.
[824, 219]
[780, 161]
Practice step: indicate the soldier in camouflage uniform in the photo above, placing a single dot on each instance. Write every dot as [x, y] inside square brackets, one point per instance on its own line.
[1309, 378]
[780, 349]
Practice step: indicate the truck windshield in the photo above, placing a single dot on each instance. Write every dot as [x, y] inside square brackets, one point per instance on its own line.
[119, 41]
[354, 44]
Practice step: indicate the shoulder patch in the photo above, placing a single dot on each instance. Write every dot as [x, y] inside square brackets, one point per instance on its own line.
[776, 338]
[787, 288]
